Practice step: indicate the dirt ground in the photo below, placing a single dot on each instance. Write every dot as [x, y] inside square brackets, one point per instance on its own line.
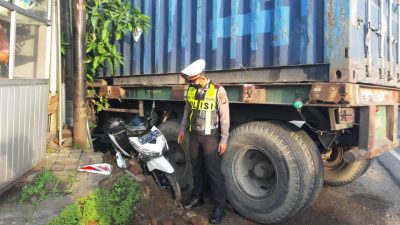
[373, 199]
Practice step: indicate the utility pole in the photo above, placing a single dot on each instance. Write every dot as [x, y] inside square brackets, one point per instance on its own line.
[66, 26]
[80, 136]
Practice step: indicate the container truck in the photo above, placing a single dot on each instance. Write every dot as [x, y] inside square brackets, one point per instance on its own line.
[313, 87]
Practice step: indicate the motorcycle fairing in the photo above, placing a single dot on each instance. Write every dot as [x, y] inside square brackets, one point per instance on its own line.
[160, 163]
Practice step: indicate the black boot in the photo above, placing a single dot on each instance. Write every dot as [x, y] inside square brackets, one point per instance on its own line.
[217, 215]
[194, 201]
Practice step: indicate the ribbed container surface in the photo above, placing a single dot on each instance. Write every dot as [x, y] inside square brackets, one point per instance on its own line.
[357, 39]
[228, 34]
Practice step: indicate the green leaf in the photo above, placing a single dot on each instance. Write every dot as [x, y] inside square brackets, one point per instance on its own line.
[104, 33]
[88, 59]
[129, 27]
[105, 19]
[102, 59]
[99, 108]
[111, 65]
[90, 46]
[114, 49]
[101, 48]
[96, 62]
[89, 78]
[94, 20]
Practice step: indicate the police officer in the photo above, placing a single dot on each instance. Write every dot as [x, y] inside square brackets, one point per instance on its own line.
[206, 117]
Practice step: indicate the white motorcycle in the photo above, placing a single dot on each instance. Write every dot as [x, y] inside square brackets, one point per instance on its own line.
[144, 142]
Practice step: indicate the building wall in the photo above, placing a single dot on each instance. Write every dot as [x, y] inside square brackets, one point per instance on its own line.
[23, 123]
[24, 86]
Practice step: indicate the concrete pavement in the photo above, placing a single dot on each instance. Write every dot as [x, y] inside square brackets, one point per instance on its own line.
[64, 165]
[390, 161]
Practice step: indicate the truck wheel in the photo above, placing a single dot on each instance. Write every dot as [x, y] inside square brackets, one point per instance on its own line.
[314, 166]
[337, 172]
[178, 154]
[264, 173]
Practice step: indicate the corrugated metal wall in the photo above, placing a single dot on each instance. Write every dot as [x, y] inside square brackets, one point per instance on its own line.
[23, 122]
[358, 39]
[229, 34]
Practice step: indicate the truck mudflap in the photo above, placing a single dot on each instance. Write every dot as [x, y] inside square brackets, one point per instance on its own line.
[377, 111]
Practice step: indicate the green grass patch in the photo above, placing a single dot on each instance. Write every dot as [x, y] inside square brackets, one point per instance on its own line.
[51, 150]
[113, 205]
[43, 186]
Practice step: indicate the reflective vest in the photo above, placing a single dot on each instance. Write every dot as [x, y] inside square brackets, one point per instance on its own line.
[203, 116]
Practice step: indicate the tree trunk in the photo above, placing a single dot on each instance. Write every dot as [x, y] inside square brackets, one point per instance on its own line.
[80, 136]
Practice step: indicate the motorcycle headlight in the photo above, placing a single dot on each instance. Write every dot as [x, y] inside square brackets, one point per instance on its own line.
[147, 156]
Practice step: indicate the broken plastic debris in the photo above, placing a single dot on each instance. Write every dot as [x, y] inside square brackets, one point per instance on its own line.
[120, 161]
[101, 168]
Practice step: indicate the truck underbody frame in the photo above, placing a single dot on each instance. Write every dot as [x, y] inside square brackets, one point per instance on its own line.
[368, 111]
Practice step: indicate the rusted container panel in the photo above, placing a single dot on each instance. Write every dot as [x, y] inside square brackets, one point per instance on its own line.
[352, 94]
[23, 122]
[361, 41]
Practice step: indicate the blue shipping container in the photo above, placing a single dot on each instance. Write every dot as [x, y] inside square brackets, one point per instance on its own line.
[356, 39]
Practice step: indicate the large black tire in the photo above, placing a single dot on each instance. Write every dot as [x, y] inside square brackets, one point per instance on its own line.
[338, 173]
[269, 176]
[169, 183]
[178, 154]
[310, 150]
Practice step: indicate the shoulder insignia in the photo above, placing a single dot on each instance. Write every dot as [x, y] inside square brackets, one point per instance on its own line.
[217, 85]
[223, 98]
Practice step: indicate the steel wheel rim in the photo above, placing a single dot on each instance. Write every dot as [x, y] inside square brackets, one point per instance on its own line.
[336, 161]
[254, 173]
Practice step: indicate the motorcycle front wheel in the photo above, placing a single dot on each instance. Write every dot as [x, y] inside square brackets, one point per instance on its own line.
[169, 183]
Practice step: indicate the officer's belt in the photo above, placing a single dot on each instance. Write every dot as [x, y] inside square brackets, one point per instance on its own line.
[214, 131]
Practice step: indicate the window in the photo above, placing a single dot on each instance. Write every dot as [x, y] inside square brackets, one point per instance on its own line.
[38, 7]
[24, 48]
[4, 41]
[30, 48]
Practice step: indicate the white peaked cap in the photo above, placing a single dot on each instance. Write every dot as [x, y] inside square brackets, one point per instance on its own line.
[194, 69]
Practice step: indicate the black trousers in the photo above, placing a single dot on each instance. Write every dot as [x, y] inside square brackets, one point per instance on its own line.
[205, 158]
